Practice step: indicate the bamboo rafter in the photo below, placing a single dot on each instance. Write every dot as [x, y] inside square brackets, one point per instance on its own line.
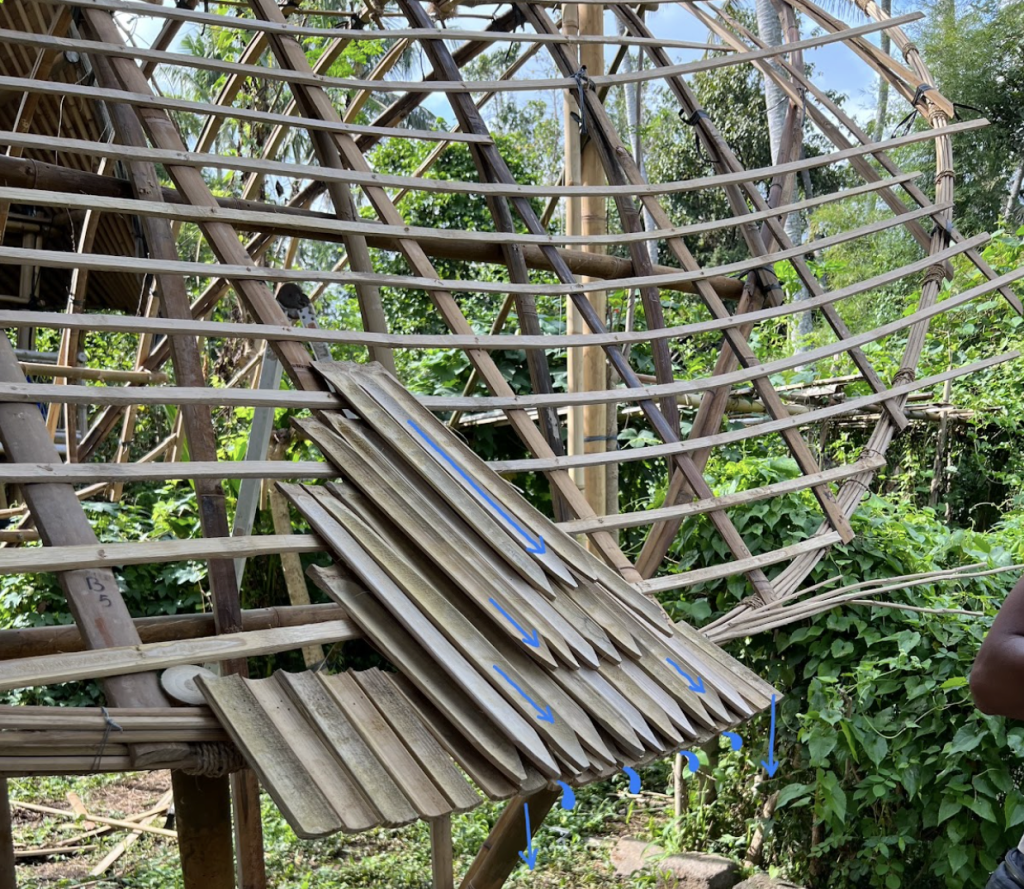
[348, 209]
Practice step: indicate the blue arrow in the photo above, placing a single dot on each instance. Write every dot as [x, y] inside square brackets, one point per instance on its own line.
[691, 761]
[531, 639]
[734, 740]
[532, 545]
[568, 796]
[634, 780]
[530, 855]
[697, 686]
[544, 714]
[772, 766]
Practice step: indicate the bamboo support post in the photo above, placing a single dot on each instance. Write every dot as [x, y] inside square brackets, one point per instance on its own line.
[8, 876]
[499, 853]
[197, 425]
[441, 855]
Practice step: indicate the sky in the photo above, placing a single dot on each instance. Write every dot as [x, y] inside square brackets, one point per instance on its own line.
[835, 66]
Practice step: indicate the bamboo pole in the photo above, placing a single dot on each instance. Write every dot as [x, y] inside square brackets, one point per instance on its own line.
[593, 375]
[123, 846]
[35, 641]
[99, 819]
[8, 875]
[206, 829]
[499, 853]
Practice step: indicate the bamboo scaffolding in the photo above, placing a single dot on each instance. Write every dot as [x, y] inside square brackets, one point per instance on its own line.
[355, 36]
[368, 178]
[338, 198]
[115, 50]
[59, 259]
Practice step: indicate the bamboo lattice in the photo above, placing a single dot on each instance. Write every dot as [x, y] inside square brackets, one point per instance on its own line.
[93, 129]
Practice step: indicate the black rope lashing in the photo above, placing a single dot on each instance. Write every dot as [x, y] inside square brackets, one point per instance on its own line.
[914, 111]
[956, 105]
[692, 120]
[108, 726]
[582, 82]
[767, 270]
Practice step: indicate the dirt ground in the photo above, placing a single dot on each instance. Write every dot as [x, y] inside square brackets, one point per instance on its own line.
[573, 855]
[129, 795]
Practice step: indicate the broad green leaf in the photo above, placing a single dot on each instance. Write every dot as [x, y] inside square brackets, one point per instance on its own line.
[791, 792]
[982, 807]
[1013, 808]
[875, 746]
[957, 856]
[947, 809]
[820, 746]
[955, 682]
[967, 737]
[910, 779]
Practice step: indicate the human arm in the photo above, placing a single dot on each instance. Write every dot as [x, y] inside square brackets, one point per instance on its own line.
[997, 678]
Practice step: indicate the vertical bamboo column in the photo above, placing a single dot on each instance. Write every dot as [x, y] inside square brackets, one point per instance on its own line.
[573, 226]
[595, 222]
[441, 853]
[8, 878]
[26, 285]
[587, 368]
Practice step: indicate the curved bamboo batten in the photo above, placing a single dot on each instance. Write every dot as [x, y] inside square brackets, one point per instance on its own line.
[105, 166]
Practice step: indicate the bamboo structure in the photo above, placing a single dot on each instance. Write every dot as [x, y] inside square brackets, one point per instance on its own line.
[113, 221]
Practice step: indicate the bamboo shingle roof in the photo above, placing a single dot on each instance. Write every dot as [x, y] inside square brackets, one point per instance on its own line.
[108, 161]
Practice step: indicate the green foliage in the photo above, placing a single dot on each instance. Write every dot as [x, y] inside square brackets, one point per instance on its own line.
[889, 775]
[975, 52]
[148, 590]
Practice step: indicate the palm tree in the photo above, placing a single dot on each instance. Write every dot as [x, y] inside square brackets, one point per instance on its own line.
[769, 26]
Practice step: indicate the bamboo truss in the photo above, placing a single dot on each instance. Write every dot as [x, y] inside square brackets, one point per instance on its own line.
[103, 166]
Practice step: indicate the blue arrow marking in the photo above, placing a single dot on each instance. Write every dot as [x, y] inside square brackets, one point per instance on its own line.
[568, 796]
[634, 780]
[734, 740]
[532, 545]
[697, 686]
[691, 761]
[531, 639]
[772, 766]
[530, 855]
[544, 714]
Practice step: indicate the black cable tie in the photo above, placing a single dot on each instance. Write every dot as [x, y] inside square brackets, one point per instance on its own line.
[699, 114]
[582, 82]
[919, 93]
[108, 725]
[914, 111]
[968, 107]
[907, 122]
[605, 438]
[692, 120]
[759, 268]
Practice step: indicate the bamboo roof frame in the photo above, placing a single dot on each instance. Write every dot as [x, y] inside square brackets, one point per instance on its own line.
[123, 90]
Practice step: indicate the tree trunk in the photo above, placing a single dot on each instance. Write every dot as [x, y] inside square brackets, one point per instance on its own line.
[634, 120]
[769, 29]
[769, 26]
[1013, 198]
[882, 110]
